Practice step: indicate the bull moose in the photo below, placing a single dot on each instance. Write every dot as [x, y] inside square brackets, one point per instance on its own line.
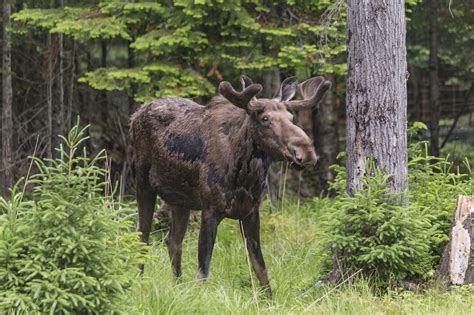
[215, 158]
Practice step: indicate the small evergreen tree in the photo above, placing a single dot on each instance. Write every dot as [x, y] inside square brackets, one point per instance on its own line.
[68, 248]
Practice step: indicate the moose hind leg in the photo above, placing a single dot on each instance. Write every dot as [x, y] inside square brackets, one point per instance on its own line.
[207, 238]
[178, 226]
[250, 228]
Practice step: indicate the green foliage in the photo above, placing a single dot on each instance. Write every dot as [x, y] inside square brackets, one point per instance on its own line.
[372, 231]
[68, 248]
[82, 24]
[201, 41]
[292, 251]
[462, 155]
[455, 22]
[434, 186]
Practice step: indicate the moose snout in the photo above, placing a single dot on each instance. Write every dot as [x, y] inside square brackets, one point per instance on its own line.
[304, 156]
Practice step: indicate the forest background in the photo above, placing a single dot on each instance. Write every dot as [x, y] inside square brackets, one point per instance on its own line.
[101, 60]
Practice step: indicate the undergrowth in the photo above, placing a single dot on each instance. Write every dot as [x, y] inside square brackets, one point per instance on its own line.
[389, 240]
[70, 247]
[293, 250]
[67, 247]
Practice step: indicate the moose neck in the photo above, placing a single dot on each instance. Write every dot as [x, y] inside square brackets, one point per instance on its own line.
[244, 140]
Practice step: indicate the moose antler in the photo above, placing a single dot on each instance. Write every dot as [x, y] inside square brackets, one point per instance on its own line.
[312, 91]
[245, 81]
[239, 99]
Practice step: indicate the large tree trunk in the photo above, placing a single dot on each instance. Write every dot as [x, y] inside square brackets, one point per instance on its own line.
[376, 91]
[7, 100]
[434, 80]
[326, 138]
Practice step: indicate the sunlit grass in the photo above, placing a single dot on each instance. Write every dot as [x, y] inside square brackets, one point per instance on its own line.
[293, 256]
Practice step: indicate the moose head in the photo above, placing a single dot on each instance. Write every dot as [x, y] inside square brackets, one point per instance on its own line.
[273, 121]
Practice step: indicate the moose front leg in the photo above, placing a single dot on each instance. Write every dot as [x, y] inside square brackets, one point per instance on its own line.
[250, 228]
[207, 237]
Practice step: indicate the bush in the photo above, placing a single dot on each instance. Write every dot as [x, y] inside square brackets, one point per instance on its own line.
[435, 184]
[68, 249]
[460, 154]
[372, 232]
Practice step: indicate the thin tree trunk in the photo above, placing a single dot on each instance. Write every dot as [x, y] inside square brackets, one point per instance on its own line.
[376, 91]
[71, 86]
[90, 100]
[61, 115]
[326, 138]
[49, 98]
[131, 64]
[434, 80]
[425, 101]
[104, 106]
[7, 103]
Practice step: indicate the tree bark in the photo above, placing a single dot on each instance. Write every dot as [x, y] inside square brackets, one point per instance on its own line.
[7, 103]
[49, 98]
[434, 80]
[70, 98]
[376, 91]
[103, 101]
[456, 263]
[131, 64]
[326, 138]
[61, 115]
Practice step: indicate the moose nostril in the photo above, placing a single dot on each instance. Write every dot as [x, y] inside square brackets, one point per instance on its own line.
[299, 159]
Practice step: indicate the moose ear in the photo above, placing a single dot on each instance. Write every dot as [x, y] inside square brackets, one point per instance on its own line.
[312, 91]
[287, 89]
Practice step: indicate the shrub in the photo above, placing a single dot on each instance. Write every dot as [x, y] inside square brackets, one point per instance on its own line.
[435, 184]
[68, 248]
[373, 232]
[460, 154]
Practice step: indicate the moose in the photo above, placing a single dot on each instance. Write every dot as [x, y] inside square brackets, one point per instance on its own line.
[215, 158]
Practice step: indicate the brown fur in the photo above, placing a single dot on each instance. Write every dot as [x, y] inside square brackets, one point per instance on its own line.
[212, 158]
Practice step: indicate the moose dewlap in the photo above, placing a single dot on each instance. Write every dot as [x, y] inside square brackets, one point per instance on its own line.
[215, 158]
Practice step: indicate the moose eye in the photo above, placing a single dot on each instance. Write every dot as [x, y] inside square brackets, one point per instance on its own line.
[265, 118]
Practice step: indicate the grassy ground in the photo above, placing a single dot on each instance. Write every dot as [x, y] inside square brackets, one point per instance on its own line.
[293, 256]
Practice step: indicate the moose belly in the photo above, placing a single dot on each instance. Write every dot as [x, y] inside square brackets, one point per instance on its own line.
[178, 187]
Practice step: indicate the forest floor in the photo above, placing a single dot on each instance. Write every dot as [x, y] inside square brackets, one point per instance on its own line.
[293, 256]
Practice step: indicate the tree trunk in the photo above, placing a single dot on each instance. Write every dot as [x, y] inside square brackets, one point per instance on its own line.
[376, 91]
[60, 115]
[434, 80]
[131, 64]
[49, 98]
[70, 98]
[103, 101]
[7, 104]
[326, 138]
[456, 263]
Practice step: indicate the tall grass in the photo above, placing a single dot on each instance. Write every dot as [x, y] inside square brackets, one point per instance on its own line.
[293, 256]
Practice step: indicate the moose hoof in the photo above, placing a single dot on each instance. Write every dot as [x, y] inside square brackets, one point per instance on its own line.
[201, 276]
